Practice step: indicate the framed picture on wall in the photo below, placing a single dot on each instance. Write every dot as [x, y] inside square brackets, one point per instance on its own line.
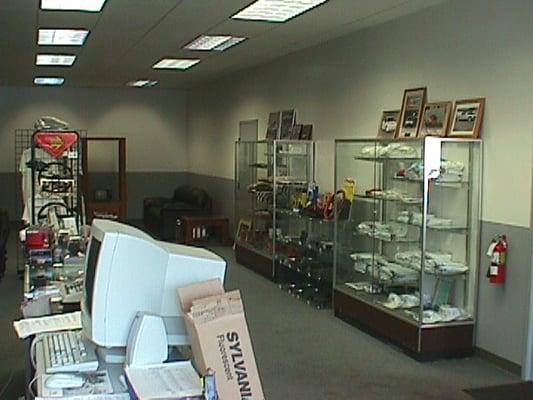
[435, 119]
[388, 124]
[411, 114]
[467, 118]
[274, 120]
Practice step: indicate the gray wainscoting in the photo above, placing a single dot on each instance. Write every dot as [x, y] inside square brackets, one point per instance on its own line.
[140, 185]
[503, 309]
[9, 194]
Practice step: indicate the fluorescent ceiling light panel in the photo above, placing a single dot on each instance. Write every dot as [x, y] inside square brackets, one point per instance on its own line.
[73, 5]
[276, 10]
[141, 83]
[176, 63]
[230, 43]
[55, 59]
[214, 42]
[62, 37]
[48, 81]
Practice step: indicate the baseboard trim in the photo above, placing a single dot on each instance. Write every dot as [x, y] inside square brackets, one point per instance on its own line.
[500, 361]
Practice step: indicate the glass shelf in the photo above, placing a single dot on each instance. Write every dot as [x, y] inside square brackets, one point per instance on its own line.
[395, 240]
[451, 229]
[453, 185]
[382, 159]
[407, 203]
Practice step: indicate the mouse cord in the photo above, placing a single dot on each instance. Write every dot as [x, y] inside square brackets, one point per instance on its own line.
[7, 384]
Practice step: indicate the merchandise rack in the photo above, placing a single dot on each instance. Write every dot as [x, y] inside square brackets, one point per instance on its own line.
[23, 141]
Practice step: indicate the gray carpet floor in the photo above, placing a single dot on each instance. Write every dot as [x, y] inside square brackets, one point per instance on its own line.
[301, 353]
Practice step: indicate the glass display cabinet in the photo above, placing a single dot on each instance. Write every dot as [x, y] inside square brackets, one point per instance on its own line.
[406, 258]
[277, 236]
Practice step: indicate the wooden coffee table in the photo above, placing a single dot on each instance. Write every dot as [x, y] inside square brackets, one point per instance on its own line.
[199, 230]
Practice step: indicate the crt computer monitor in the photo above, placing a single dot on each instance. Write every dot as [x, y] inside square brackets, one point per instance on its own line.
[127, 271]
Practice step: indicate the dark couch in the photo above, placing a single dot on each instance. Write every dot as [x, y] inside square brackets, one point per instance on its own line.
[160, 213]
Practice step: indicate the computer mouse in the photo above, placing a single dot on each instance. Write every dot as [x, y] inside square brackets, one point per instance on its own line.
[64, 381]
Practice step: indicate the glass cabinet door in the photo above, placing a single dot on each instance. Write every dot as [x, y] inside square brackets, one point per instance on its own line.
[253, 195]
[450, 231]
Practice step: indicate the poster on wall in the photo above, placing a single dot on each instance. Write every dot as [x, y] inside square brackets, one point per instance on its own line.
[435, 119]
[411, 114]
[467, 118]
[274, 120]
[388, 124]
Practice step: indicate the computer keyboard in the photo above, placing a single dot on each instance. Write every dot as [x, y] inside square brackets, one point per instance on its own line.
[68, 351]
[71, 292]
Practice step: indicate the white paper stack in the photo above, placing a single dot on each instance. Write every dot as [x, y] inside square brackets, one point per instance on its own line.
[176, 380]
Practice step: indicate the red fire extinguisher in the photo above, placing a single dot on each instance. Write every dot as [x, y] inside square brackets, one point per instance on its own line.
[498, 260]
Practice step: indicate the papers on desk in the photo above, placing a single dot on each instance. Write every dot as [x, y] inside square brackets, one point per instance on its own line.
[176, 380]
[118, 396]
[61, 322]
[37, 307]
[96, 383]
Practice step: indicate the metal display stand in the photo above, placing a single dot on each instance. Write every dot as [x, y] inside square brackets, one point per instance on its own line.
[24, 141]
[58, 180]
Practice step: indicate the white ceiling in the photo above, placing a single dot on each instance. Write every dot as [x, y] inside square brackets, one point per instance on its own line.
[129, 36]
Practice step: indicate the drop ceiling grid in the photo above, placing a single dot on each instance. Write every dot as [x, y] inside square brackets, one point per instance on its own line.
[129, 36]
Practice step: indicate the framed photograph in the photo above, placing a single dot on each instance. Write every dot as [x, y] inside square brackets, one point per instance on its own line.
[307, 132]
[288, 119]
[296, 131]
[411, 114]
[274, 121]
[435, 119]
[389, 123]
[243, 230]
[467, 118]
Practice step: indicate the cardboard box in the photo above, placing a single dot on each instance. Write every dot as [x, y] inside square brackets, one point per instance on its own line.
[220, 340]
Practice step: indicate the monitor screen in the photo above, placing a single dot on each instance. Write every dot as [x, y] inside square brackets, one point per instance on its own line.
[90, 272]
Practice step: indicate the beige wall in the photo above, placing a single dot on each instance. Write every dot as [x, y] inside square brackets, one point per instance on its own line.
[153, 121]
[459, 49]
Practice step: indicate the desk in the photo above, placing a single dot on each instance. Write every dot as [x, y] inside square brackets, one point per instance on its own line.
[114, 370]
[31, 278]
[197, 230]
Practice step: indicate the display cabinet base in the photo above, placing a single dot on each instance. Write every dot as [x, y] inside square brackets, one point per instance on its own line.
[312, 290]
[436, 342]
[254, 260]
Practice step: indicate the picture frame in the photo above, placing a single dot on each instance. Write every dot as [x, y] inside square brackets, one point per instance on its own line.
[435, 119]
[467, 118]
[411, 114]
[307, 132]
[388, 124]
[274, 122]
[288, 119]
[243, 230]
[296, 131]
